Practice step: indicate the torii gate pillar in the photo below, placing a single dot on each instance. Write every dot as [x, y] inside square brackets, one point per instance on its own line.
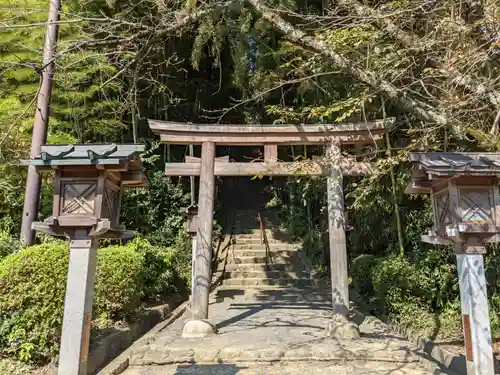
[339, 327]
[199, 325]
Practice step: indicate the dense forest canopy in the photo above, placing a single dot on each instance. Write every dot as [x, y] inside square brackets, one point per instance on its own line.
[433, 65]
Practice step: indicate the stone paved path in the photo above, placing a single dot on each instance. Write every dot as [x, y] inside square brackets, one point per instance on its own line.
[273, 332]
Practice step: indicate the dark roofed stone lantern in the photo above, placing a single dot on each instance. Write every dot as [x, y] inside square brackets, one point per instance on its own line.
[191, 213]
[88, 184]
[464, 189]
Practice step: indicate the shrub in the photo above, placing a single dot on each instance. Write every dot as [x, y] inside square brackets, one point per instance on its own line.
[119, 281]
[160, 269]
[8, 244]
[155, 211]
[419, 290]
[32, 288]
[361, 273]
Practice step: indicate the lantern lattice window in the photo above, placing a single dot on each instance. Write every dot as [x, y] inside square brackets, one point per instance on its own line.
[78, 198]
[442, 199]
[476, 205]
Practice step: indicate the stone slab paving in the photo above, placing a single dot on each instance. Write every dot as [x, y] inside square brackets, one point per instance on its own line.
[299, 368]
[269, 326]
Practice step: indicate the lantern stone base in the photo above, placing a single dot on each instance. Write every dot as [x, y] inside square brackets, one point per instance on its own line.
[341, 328]
[198, 328]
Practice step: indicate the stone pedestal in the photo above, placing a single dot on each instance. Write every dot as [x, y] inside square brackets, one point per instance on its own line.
[198, 328]
[341, 328]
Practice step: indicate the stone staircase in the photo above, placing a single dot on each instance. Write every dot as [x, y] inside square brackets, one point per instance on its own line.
[249, 263]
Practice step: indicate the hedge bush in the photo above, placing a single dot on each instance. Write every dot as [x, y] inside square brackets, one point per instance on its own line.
[419, 290]
[32, 289]
[119, 281]
[32, 286]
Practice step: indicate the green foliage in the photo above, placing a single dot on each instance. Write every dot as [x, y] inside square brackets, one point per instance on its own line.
[32, 286]
[421, 293]
[302, 206]
[492, 271]
[8, 244]
[155, 210]
[361, 270]
[32, 289]
[119, 280]
[13, 367]
[163, 268]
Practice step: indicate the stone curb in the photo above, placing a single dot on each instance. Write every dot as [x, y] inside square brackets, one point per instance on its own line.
[435, 359]
[120, 363]
[158, 356]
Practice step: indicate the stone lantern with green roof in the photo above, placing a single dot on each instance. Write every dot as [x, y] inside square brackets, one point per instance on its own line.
[88, 184]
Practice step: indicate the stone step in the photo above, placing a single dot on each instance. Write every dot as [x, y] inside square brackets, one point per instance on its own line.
[275, 292]
[255, 233]
[262, 253]
[257, 241]
[258, 246]
[259, 267]
[271, 274]
[267, 282]
[258, 260]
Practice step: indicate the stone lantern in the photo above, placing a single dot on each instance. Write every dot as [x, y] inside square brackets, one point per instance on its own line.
[88, 184]
[464, 189]
[191, 213]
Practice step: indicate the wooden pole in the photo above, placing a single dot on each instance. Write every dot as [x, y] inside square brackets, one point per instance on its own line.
[34, 180]
[78, 304]
[475, 312]
[202, 278]
[336, 223]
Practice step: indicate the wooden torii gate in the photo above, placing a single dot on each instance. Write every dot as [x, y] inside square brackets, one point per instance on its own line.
[269, 136]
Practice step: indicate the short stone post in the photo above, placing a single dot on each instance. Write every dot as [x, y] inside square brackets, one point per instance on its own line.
[191, 228]
[193, 262]
[475, 311]
[340, 326]
[199, 325]
[78, 304]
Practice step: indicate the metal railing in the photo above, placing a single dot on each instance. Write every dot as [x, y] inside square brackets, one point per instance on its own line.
[264, 241]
